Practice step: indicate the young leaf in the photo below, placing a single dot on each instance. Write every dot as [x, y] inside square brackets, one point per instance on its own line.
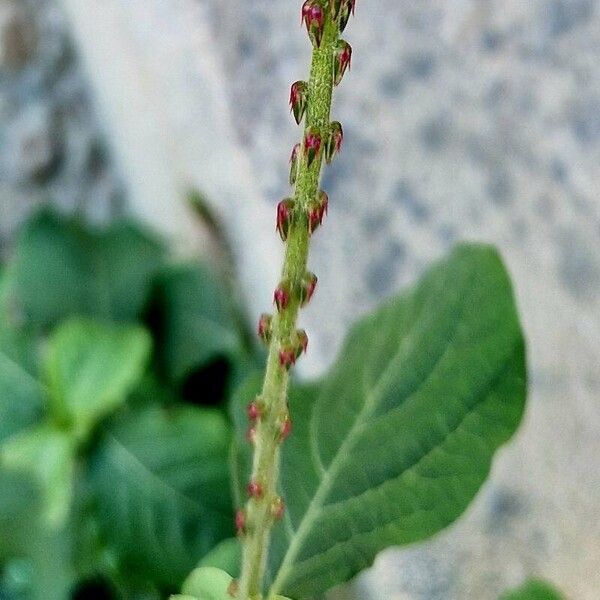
[199, 320]
[160, 481]
[534, 589]
[402, 432]
[63, 269]
[90, 369]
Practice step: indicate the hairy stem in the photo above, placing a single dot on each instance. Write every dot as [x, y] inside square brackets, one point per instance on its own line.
[274, 410]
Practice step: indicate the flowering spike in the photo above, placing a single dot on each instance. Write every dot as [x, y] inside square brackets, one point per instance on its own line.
[313, 16]
[312, 144]
[286, 428]
[309, 283]
[295, 162]
[278, 508]
[299, 99]
[240, 522]
[281, 297]
[287, 357]
[265, 327]
[334, 141]
[342, 60]
[317, 210]
[254, 489]
[285, 211]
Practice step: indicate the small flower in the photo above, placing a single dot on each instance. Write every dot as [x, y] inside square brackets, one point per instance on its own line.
[251, 435]
[281, 297]
[286, 429]
[295, 162]
[313, 16]
[233, 588]
[334, 141]
[278, 508]
[309, 284]
[240, 521]
[344, 15]
[312, 144]
[254, 489]
[299, 99]
[253, 411]
[264, 327]
[342, 60]
[287, 357]
[317, 210]
[301, 342]
[285, 211]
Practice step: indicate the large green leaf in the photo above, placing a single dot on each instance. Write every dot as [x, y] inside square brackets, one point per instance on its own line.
[90, 369]
[63, 269]
[534, 589]
[161, 483]
[199, 321]
[401, 434]
[226, 556]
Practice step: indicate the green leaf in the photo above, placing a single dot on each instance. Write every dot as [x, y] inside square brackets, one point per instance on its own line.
[400, 436]
[161, 484]
[200, 323]
[91, 367]
[534, 589]
[63, 269]
[49, 455]
[226, 556]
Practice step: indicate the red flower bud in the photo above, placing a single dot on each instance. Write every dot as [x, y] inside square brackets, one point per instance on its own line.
[254, 489]
[299, 99]
[264, 327]
[317, 210]
[281, 297]
[286, 428]
[342, 60]
[278, 508]
[295, 162]
[312, 144]
[313, 16]
[285, 211]
[309, 284]
[287, 357]
[240, 522]
[301, 342]
[334, 141]
[253, 411]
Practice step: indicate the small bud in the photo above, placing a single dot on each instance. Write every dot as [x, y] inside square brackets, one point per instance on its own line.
[285, 211]
[342, 60]
[264, 327]
[317, 209]
[295, 162]
[301, 342]
[344, 16]
[240, 522]
[287, 357]
[281, 297]
[278, 508]
[313, 16]
[312, 144]
[251, 435]
[309, 283]
[299, 99]
[334, 141]
[233, 588]
[255, 490]
[286, 429]
[253, 411]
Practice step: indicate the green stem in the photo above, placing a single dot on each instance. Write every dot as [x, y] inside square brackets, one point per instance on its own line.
[265, 471]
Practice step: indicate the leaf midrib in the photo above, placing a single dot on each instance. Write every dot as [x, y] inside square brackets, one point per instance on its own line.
[330, 473]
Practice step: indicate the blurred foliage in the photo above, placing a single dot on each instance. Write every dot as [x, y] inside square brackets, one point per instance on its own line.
[534, 589]
[115, 368]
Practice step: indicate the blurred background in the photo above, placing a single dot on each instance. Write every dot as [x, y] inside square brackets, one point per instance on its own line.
[464, 119]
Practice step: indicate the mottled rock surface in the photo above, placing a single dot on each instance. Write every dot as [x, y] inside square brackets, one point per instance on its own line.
[464, 119]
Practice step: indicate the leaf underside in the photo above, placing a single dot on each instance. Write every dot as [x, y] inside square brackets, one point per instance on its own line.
[393, 445]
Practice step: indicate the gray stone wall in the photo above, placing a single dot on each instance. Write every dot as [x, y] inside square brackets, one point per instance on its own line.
[51, 147]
